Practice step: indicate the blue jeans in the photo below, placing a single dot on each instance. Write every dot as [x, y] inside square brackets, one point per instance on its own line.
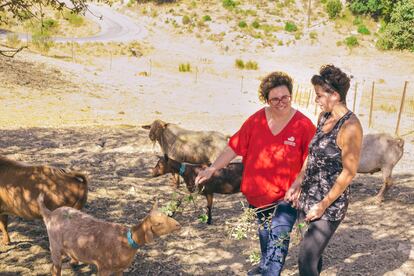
[275, 226]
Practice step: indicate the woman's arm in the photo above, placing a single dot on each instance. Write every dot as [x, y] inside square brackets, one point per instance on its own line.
[292, 195]
[350, 141]
[222, 161]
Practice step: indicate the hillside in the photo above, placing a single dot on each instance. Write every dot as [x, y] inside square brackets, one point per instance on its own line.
[81, 105]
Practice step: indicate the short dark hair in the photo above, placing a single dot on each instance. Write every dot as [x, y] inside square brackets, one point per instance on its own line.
[273, 80]
[332, 79]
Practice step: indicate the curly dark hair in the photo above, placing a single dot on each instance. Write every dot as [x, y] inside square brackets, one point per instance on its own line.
[332, 79]
[273, 80]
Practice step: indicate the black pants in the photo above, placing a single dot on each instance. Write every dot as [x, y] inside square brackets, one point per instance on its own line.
[315, 240]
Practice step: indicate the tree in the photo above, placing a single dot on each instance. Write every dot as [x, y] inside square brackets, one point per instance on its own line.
[24, 9]
[399, 32]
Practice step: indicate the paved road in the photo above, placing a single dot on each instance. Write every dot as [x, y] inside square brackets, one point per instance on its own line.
[113, 27]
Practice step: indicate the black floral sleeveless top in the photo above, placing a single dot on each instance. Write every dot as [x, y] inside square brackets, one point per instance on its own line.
[323, 167]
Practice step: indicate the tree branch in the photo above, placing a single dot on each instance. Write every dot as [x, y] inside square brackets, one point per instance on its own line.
[14, 52]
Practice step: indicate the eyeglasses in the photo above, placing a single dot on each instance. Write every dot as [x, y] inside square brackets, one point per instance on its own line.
[283, 99]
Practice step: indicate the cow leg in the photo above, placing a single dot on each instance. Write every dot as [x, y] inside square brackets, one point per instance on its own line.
[57, 263]
[3, 228]
[102, 272]
[386, 176]
[209, 206]
[175, 180]
[73, 261]
[55, 254]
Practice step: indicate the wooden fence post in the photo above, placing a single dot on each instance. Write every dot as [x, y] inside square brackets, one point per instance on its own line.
[372, 104]
[241, 85]
[397, 129]
[309, 96]
[150, 67]
[355, 93]
[296, 95]
[309, 12]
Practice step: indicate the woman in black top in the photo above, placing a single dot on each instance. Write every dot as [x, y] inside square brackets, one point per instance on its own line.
[321, 191]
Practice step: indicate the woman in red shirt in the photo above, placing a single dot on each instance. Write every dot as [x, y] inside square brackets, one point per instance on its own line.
[274, 144]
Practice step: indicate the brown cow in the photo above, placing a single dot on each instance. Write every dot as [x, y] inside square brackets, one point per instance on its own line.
[183, 145]
[21, 184]
[380, 152]
[110, 246]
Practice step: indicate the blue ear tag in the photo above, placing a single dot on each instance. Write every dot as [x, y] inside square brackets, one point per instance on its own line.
[182, 169]
[131, 242]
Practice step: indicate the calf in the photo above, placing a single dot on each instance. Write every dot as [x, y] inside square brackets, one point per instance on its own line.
[20, 185]
[109, 246]
[380, 152]
[185, 145]
[224, 181]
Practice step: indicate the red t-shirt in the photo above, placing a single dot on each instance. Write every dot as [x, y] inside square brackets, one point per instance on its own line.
[271, 162]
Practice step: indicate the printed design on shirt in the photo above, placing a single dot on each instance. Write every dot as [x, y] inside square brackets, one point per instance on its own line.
[324, 167]
[290, 141]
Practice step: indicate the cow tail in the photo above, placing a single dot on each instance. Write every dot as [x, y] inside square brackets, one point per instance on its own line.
[43, 210]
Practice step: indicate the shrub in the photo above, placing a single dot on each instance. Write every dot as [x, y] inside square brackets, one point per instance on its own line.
[357, 21]
[313, 35]
[184, 67]
[362, 29]
[229, 4]
[351, 41]
[333, 8]
[242, 24]
[13, 40]
[375, 8]
[255, 24]
[42, 41]
[206, 18]
[290, 27]
[251, 65]
[50, 24]
[399, 32]
[239, 64]
[130, 3]
[186, 19]
[298, 35]
[74, 19]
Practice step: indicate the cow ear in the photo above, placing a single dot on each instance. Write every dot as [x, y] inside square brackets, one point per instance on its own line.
[149, 236]
[146, 126]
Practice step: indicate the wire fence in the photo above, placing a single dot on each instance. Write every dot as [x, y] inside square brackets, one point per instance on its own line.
[378, 106]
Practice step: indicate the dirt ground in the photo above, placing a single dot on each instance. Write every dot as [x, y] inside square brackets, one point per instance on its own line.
[373, 240]
[87, 116]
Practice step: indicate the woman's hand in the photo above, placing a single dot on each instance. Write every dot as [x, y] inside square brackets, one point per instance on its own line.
[205, 175]
[292, 195]
[315, 212]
